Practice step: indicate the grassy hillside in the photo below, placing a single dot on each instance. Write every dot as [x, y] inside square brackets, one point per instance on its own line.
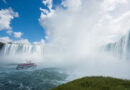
[96, 83]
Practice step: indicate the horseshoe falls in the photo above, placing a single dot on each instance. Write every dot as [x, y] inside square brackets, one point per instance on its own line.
[120, 48]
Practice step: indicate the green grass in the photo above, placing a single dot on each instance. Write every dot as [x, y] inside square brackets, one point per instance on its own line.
[96, 83]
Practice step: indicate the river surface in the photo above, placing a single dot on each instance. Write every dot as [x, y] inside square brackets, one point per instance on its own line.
[30, 79]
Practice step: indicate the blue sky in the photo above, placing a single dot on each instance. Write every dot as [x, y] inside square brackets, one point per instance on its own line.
[111, 17]
[27, 22]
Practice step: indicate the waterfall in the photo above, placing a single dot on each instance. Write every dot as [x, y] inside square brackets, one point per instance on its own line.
[120, 48]
[22, 50]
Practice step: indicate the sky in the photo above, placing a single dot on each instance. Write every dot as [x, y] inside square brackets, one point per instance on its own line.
[64, 21]
[23, 22]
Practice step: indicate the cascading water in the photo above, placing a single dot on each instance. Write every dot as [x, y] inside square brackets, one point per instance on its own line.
[22, 51]
[11, 54]
[120, 48]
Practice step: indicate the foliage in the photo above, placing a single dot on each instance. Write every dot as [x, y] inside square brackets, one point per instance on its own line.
[96, 83]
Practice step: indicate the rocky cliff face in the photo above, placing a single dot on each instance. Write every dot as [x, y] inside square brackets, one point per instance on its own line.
[1, 45]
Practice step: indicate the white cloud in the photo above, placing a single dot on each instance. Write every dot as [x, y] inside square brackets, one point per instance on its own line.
[48, 3]
[18, 34]
[42, 42]
[112, 4]
[22, 41]
[112, 28]
[9, 32]
[5, 39]
[122, 23]
[72, 4]
[44, 12]
[6, 15]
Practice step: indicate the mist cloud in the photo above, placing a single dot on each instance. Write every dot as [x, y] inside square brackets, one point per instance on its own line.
[78, 28]
[86, 23]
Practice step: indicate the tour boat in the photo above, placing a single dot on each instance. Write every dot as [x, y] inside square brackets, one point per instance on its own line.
[25, 66]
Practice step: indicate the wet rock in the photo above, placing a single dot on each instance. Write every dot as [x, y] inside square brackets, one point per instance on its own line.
[1, 45]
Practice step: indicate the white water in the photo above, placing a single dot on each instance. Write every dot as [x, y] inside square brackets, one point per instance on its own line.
[19, 52]
[121, 48]
[82, 63]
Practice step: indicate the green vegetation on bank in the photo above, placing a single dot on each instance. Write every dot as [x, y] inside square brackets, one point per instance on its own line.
[96, 83]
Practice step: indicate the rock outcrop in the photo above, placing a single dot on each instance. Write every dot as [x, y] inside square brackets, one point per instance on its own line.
[1, 45]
